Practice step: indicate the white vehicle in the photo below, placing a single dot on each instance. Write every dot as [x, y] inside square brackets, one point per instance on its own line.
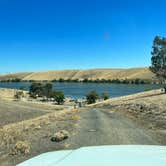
[123, 155]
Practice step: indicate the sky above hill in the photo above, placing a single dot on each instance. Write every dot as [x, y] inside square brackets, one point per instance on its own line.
[40, 35]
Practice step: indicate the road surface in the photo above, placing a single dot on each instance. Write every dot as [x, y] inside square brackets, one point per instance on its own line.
[101, 127]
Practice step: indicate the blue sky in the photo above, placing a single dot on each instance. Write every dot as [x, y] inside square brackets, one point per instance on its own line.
[40, 35]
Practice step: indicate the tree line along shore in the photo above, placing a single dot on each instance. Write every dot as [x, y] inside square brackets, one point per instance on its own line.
[116, 81]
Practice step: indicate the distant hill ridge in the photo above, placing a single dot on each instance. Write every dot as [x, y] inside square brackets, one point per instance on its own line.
[132, 73]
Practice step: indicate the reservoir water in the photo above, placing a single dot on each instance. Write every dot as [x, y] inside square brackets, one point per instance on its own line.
[79, 90]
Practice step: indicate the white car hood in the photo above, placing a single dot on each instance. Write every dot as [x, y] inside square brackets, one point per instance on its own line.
[122, 155]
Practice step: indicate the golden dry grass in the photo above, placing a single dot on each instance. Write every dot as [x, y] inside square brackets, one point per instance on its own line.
[10, 134]
[128, 98]
[7, 93]
[75, 117]
[15, 75]
[21, 147]
[142, 73]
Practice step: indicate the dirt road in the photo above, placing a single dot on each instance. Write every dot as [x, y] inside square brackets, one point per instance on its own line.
[99, 127]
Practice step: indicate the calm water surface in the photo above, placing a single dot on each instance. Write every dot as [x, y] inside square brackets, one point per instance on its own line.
[79, 90]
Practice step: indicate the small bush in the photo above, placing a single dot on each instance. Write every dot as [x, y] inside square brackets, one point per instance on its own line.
[21, 147]
[22, 88]
[92, 97]
[58, 96]
[19, 94]
[105, 96]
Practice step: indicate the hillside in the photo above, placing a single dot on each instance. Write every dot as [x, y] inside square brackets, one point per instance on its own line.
[133, 73]
[15, 75]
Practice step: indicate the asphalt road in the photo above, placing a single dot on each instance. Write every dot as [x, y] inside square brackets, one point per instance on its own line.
[101, 127]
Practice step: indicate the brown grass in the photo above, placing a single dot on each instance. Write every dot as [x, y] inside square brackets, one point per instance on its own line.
[21, 147]
[75, 117]
[142, 73]
[10, 134]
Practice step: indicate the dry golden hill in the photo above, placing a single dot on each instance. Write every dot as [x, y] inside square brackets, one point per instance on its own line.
[15, 75]
[132, 73]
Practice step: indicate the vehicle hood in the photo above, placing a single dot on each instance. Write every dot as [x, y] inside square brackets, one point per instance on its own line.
[124, 155]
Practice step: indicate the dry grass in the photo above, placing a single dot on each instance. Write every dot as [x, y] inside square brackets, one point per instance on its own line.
[7, 93]
[22, 140]
[75, 117]
[75, 110]
[121, 100]
[10, 134]
[142, 73]
[21, 148]
[15, 75]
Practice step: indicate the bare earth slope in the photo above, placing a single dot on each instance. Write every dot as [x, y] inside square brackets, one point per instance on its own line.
[133, 73]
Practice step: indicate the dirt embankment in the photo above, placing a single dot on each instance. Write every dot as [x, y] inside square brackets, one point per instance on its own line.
[133, 73]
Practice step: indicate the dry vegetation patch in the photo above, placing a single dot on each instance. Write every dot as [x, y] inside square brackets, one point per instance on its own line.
[21, 148]
[31, 137]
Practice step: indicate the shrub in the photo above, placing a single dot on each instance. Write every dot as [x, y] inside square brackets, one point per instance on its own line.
[22, 88]
[21, 147]
[58, 96]
[19, 94]
[105, 96]
[92, 97]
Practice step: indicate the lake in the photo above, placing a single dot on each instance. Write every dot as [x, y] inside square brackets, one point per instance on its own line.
[79, 90]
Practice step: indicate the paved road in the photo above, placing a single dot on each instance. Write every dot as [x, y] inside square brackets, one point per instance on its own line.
[99, 127]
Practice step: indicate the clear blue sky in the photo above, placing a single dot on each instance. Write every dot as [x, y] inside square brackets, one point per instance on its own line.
[69, 34]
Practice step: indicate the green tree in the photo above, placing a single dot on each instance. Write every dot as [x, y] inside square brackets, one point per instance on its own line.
[158, 59]
[58, 96]
[36, 89]
[47, 89]
[85, 80]
[61, 80]
[105, 95]
[92, 97]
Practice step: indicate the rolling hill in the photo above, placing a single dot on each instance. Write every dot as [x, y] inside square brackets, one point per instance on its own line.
[132, 73]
